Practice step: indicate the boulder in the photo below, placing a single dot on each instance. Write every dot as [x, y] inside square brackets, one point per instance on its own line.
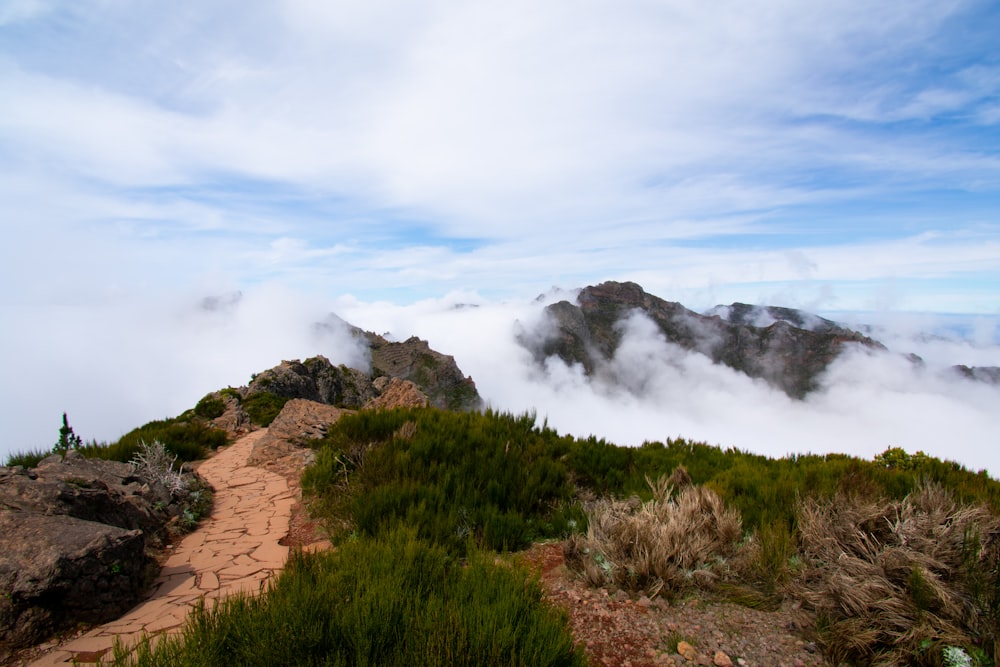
[430, 374]
[57, 571]
[283, 449]
[74, 540]
[397, 393]
[318, 380]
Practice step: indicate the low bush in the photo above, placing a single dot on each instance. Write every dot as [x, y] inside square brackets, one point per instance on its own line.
[899, 582]
[210, 407]
[263, 407]
[669, 544]
[187, 440]
[395, 600]
[494, 477]
[28, 459]
[154, 463]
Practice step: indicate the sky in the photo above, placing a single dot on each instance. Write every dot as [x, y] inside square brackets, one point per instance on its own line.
[388, 160]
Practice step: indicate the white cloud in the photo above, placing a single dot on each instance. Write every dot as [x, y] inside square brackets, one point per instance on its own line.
[773, 151]
[115, 367]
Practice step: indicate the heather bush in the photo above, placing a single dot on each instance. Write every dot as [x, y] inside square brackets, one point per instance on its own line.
[394, 600]
[263, 407]
[28, 459]
[188, 440]
[494, 477]
[210, 407]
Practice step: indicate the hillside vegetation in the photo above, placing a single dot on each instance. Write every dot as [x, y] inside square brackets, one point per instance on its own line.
[733, 524]
[897, 559]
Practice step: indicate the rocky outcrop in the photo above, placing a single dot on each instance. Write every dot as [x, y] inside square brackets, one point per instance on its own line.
[74, 541]
[57, 571]
[433, 375]
[789, 351]
[397, 393]
[316, 379]
[283, 448]
[234, 419]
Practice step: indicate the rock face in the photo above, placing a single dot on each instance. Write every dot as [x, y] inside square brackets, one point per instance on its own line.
[73, 540]
[397, 393]
[57, 571]
[787, 348]
[300, 420]
[434, 375]
[316, 379]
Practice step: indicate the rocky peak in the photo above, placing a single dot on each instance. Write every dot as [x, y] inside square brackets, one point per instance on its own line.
[316, 379]
[785, 352]
[434, 376]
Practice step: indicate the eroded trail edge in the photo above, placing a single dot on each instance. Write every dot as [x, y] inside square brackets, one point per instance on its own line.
[236, 549]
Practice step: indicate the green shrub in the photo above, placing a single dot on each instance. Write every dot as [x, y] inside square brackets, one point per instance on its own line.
[263, 407]
[230, 392]
[28, 459]
[494, 477]
[187, 440]
[67, 438]
[210, 407]
[390, 601]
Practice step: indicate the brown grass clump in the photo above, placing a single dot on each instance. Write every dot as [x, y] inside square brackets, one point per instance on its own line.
[899, 582]
[672, 542]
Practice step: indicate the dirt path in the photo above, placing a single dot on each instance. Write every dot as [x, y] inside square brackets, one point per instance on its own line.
[235, 549]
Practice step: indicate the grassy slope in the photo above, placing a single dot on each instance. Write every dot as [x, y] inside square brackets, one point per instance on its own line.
[410, 492]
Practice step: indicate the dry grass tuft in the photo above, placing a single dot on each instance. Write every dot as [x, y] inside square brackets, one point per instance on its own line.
[673, 542]
[897, 582]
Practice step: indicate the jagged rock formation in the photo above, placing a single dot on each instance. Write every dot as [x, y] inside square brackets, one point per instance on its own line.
[789, 351]
[436, 376]
[316, 379]
[283, 448]
[74, 536]
[397, 393]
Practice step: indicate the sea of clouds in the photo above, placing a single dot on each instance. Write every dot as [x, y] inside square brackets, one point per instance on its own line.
[115, 368]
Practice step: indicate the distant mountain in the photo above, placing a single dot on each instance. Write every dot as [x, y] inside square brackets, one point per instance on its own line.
[787, 348]
[987, 374]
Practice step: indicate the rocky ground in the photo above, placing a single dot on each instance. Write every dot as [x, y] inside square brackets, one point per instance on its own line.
[615, 629]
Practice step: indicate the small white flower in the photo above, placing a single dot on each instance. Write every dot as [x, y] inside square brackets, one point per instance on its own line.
[955, 656]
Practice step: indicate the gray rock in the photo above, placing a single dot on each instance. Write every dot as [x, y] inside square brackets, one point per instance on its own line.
[790, 351]
[57, 571]
[74, 534]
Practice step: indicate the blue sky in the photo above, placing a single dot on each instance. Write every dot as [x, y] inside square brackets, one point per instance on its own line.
[401, 150]
[835, 156]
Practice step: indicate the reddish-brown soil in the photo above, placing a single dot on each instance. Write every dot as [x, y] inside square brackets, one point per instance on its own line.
[615, 629]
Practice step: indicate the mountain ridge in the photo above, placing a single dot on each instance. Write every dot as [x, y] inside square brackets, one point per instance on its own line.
[788, 357]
